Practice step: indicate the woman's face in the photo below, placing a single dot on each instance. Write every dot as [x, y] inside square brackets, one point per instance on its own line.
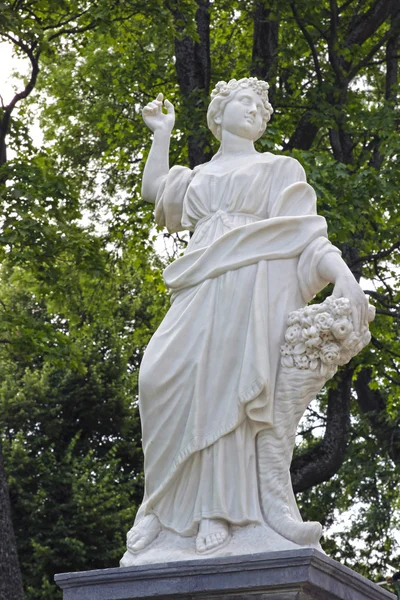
[243, 115]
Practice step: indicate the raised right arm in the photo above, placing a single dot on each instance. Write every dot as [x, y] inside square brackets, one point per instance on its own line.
[157, 164]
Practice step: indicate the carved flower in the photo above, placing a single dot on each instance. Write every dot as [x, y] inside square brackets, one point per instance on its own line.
[327, 370]
[330, 353]
[342, 307]
[371, 313]
[313, 354]
[351, 342]
[286, 350]
[301, 361]
[299, 348]
[287, 361]
[313, 342]
[323, 321]
[326, 306]
[342, 328]
[306, 321]
[293, 334]
[294, 317]
[366, 338]
[311, 310]
[309, 332]
[359, 347]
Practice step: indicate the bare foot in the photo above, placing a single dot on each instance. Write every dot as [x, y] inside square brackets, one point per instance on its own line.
[213, 535]
[142, 534]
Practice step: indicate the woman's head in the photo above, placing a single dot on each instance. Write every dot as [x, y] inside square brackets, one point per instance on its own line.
[224, 92]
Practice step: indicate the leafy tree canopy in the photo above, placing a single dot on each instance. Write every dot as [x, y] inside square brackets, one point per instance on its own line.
[80, 286]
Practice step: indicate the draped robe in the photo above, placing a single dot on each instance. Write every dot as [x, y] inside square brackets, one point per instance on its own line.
[207, 379]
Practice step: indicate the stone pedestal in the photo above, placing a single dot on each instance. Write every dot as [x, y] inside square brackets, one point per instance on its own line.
[303, 574]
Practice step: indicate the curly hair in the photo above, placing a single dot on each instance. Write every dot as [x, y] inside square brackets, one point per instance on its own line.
[222, 94]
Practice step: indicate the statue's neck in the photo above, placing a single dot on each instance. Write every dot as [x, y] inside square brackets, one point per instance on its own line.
[233, 145]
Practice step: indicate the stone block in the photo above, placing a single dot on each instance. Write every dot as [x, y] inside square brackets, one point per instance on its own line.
[303, 574]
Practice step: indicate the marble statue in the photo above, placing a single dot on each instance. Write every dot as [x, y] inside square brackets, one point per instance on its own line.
[239, 355]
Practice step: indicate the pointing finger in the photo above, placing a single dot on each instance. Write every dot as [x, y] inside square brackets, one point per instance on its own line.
[160, 97]
[169, 106]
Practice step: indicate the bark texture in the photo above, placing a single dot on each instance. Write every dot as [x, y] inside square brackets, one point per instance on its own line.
[10, 574]
[265, 44]
[193, 68]
[326, 458]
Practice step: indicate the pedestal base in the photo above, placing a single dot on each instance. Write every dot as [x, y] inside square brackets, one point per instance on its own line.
[304, 574]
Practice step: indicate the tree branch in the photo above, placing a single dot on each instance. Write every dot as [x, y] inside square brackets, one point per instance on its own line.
[74, 30]
[7, 110]
[309, 40]
[304, 134]
[362, 27]
[193, 69]
[265, 44]
[380, 298]
[344, 6]
[392, 59]
[373, 405]
[353, 72]
[333, 57]
[377, 256]
[66, 21]
[325, 459]
[388, 313]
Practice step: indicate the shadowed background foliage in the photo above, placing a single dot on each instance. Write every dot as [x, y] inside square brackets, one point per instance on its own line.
[80, 282]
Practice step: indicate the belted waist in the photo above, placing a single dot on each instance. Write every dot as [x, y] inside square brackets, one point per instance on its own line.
[223, 216]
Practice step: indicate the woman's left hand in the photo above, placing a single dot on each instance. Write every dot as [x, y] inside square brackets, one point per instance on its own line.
[347, 287]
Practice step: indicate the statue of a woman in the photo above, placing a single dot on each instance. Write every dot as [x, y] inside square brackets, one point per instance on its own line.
[208, 380]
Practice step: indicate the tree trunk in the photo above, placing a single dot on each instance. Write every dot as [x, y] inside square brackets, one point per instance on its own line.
[10, 574]
[193, 68]
[326, 458]
[265, 45]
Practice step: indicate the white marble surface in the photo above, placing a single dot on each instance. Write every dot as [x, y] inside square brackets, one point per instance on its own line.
[170, 547]
[219, 404]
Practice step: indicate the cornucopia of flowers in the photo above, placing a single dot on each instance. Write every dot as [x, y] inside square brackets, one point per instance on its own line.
[321, 337]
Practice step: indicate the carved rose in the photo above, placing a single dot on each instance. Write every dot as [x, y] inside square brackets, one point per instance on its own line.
[323, 321]
[309, 332]
[342, 328]
[351, 342]
[301, 361]
[293, 318]
[309, 311]
[293, 334]
[286, 350]
[342, 307]
[330, 353]
[313, 342]
[306, 321]
[322, 336]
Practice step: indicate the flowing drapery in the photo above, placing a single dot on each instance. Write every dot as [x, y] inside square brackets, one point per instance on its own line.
[208, 376]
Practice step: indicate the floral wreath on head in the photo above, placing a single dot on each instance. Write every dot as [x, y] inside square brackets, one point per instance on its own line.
[261, 87]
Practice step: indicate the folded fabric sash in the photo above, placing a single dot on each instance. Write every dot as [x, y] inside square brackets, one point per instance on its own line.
[268, 239]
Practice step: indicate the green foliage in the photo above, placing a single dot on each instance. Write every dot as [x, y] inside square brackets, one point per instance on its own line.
[80, 284]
